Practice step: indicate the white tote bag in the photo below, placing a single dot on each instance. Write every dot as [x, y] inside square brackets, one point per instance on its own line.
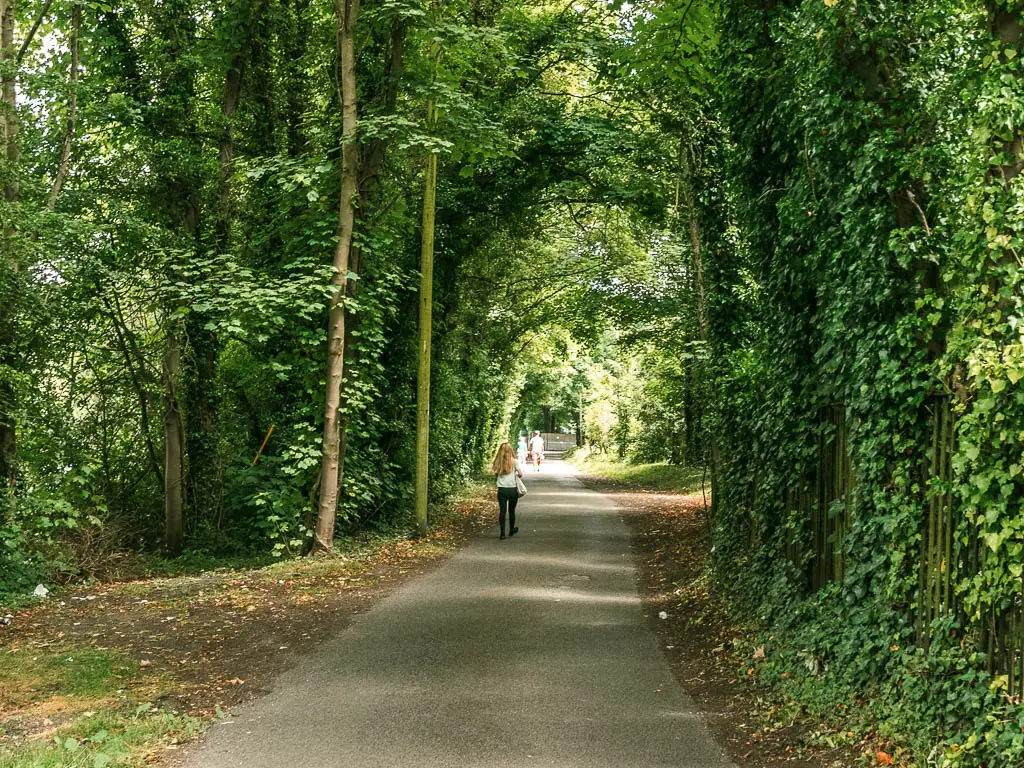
[520, 486]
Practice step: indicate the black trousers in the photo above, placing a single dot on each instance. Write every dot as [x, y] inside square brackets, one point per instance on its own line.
[507, 500]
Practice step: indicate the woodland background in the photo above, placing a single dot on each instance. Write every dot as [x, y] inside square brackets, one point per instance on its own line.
[779, 240]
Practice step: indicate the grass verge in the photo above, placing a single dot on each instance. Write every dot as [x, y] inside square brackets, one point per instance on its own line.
[668, 478]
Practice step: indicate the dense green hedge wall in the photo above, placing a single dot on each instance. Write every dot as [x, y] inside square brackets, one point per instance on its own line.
[871, 167]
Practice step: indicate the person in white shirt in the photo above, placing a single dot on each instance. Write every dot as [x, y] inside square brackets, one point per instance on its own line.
[537, 448]
[521, 450]
[504, 467]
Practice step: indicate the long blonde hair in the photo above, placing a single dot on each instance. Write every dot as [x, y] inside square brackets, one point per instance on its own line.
[504, 460]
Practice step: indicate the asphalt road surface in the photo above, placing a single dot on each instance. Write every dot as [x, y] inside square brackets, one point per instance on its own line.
[531, 651]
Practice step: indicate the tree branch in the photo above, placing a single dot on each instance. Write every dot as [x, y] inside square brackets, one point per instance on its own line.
[69, 133]
[35, 28]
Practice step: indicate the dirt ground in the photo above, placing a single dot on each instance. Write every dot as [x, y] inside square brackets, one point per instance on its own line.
[206, 643]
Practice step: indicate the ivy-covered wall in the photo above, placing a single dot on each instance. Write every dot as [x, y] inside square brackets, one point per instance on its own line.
[869, 158]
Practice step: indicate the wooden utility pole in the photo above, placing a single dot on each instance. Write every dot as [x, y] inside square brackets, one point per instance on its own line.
[426, 324]
[426, 317]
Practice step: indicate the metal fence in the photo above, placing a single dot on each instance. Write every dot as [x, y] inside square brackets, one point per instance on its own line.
[558, 442]
[948, 556]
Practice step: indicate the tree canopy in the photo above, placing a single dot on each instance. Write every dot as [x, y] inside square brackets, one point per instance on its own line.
[777, 240]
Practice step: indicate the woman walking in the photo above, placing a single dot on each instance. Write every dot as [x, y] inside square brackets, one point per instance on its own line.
[504, 466]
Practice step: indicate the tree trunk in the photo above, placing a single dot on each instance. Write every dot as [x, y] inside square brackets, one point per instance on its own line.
[229, 105]
[174, 445]
[11, 192]
[687, 166]
[8, 441]
[347, 11]
[69, 131]
[372, 156]
[176, 78]
[693, 221]
[685, 443]
[579, 420]
[426, 316]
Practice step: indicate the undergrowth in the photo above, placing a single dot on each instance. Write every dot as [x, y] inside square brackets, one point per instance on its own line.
[660, 476]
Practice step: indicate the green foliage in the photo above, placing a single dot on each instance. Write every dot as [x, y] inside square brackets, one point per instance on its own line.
[657, 476]
[856, 165]
[683, 231]
[34, 533]
[155, 239]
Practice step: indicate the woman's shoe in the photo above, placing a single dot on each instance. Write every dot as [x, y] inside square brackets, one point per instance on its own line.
[502, 537]
[514, 531]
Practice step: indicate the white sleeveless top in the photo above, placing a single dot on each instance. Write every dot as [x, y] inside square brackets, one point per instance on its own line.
[507, 481]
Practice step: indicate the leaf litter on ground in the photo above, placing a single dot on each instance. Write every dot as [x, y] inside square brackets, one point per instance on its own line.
[166, 655]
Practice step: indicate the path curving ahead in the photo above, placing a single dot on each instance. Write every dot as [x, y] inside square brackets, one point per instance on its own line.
[531, 651]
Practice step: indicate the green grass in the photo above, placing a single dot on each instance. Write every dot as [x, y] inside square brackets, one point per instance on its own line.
[93, 721]
[85, 672]
[71, 672]
[114, 739]
[193, 563]
[671, 478]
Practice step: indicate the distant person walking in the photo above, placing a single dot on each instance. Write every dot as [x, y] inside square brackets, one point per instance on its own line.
[537, 448]
[521, 450]
[504, 467]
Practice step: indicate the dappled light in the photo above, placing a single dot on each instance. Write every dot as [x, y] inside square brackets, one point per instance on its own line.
[289, 290]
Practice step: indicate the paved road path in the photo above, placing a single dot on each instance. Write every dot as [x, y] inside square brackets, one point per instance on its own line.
[527, 652]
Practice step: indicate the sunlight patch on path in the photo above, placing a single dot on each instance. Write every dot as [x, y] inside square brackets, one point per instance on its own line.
[527, 652]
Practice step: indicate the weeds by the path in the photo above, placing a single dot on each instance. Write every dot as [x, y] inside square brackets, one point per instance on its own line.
[671, 478]
[123, 674]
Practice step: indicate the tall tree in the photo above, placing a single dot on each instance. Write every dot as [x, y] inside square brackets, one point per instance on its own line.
[175, 124]
[371, 160]
[346, 13]
[12, 194]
